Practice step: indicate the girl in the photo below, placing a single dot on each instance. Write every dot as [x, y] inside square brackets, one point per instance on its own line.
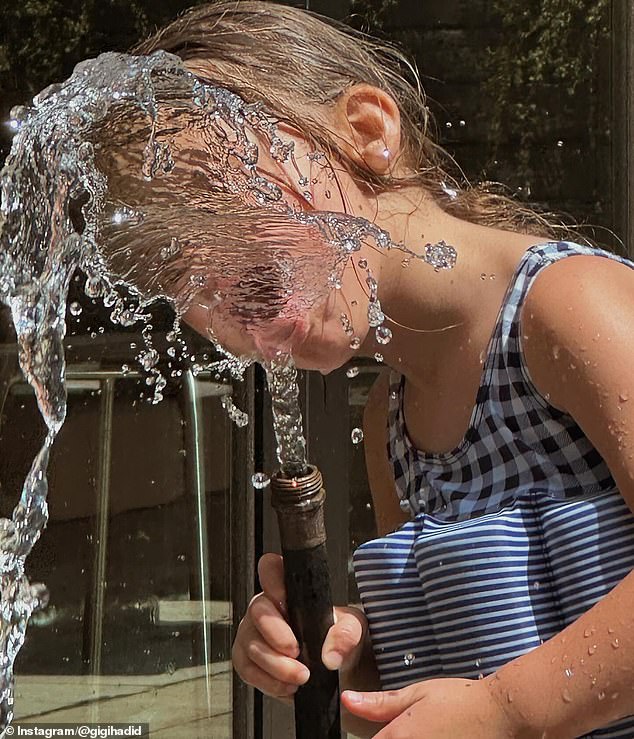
[500, 442]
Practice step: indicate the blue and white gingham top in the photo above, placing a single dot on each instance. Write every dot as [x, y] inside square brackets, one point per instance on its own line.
[513, 535]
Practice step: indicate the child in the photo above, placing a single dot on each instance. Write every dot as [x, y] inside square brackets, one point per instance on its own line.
[499, 445]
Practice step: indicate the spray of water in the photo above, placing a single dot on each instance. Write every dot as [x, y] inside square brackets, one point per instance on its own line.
[136, 173]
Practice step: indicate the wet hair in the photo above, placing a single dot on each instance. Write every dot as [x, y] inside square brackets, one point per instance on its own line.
[298, 64]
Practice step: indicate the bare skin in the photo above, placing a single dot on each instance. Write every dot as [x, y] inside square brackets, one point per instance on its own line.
[583, 306]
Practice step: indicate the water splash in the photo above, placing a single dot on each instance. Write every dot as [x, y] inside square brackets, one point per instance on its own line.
[136, 173]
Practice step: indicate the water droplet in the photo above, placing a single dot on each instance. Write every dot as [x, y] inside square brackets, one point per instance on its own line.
[149, 359]
[352, 372]
[615, 644]
[355, 343]
[240, 418]
[93, 287]
[624, 396]
[408, 659]
[405, 262]
[600, 695]
[483, 276]
[566, 697]
[125, 369]
[356, 435]
[569, 672]
[378, 356]
[588, 632]
[363, 263]
[383, 335]
[260, 480]
[110, 299]
[592, 649]
[75, 309]
[375, 314]
[198, 280]
[171, 250]
[350, 245]
[560, 143]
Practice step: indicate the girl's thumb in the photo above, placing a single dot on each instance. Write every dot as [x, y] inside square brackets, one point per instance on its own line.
[381, 706]
[341, 647]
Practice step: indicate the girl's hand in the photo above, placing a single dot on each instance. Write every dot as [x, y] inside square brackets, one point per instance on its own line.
[434, 709]
[265, 650]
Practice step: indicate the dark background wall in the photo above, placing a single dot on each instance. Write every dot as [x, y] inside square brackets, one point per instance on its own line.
[521, 91]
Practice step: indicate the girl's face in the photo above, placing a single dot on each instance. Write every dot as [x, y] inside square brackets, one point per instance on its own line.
[327, 334]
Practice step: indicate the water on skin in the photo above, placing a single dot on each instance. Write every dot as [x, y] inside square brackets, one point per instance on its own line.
[136, 173]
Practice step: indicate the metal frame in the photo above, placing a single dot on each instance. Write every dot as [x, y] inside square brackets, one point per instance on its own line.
[244, 538]
[621, 87]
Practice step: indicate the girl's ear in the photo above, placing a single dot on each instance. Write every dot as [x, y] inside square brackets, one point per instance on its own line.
[371, 125]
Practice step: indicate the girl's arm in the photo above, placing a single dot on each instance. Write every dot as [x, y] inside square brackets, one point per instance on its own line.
[578, 340]
[387, 512]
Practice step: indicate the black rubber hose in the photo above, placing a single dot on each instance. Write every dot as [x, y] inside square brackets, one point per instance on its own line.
[309, 605]
[299, 503]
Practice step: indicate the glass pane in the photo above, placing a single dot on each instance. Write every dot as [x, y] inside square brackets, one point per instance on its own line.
[137, 551]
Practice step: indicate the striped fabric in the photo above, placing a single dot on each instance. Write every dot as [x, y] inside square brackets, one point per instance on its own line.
[513, 535]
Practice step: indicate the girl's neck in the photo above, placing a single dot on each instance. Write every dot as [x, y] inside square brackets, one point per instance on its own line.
[431, 314]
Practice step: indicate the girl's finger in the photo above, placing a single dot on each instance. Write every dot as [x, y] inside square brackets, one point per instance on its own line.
[272, 627]
[283, 669]
[271, 574]
[342, 639]
[257, 678]
[382, 705]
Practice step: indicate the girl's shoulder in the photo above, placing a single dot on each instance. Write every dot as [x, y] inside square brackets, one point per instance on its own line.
[576, 313]
[561, 281]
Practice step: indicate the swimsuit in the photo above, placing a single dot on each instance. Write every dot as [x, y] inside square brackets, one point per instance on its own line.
[513, 534]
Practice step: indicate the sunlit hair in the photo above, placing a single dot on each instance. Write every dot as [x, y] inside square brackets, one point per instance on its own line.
[298, 64]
